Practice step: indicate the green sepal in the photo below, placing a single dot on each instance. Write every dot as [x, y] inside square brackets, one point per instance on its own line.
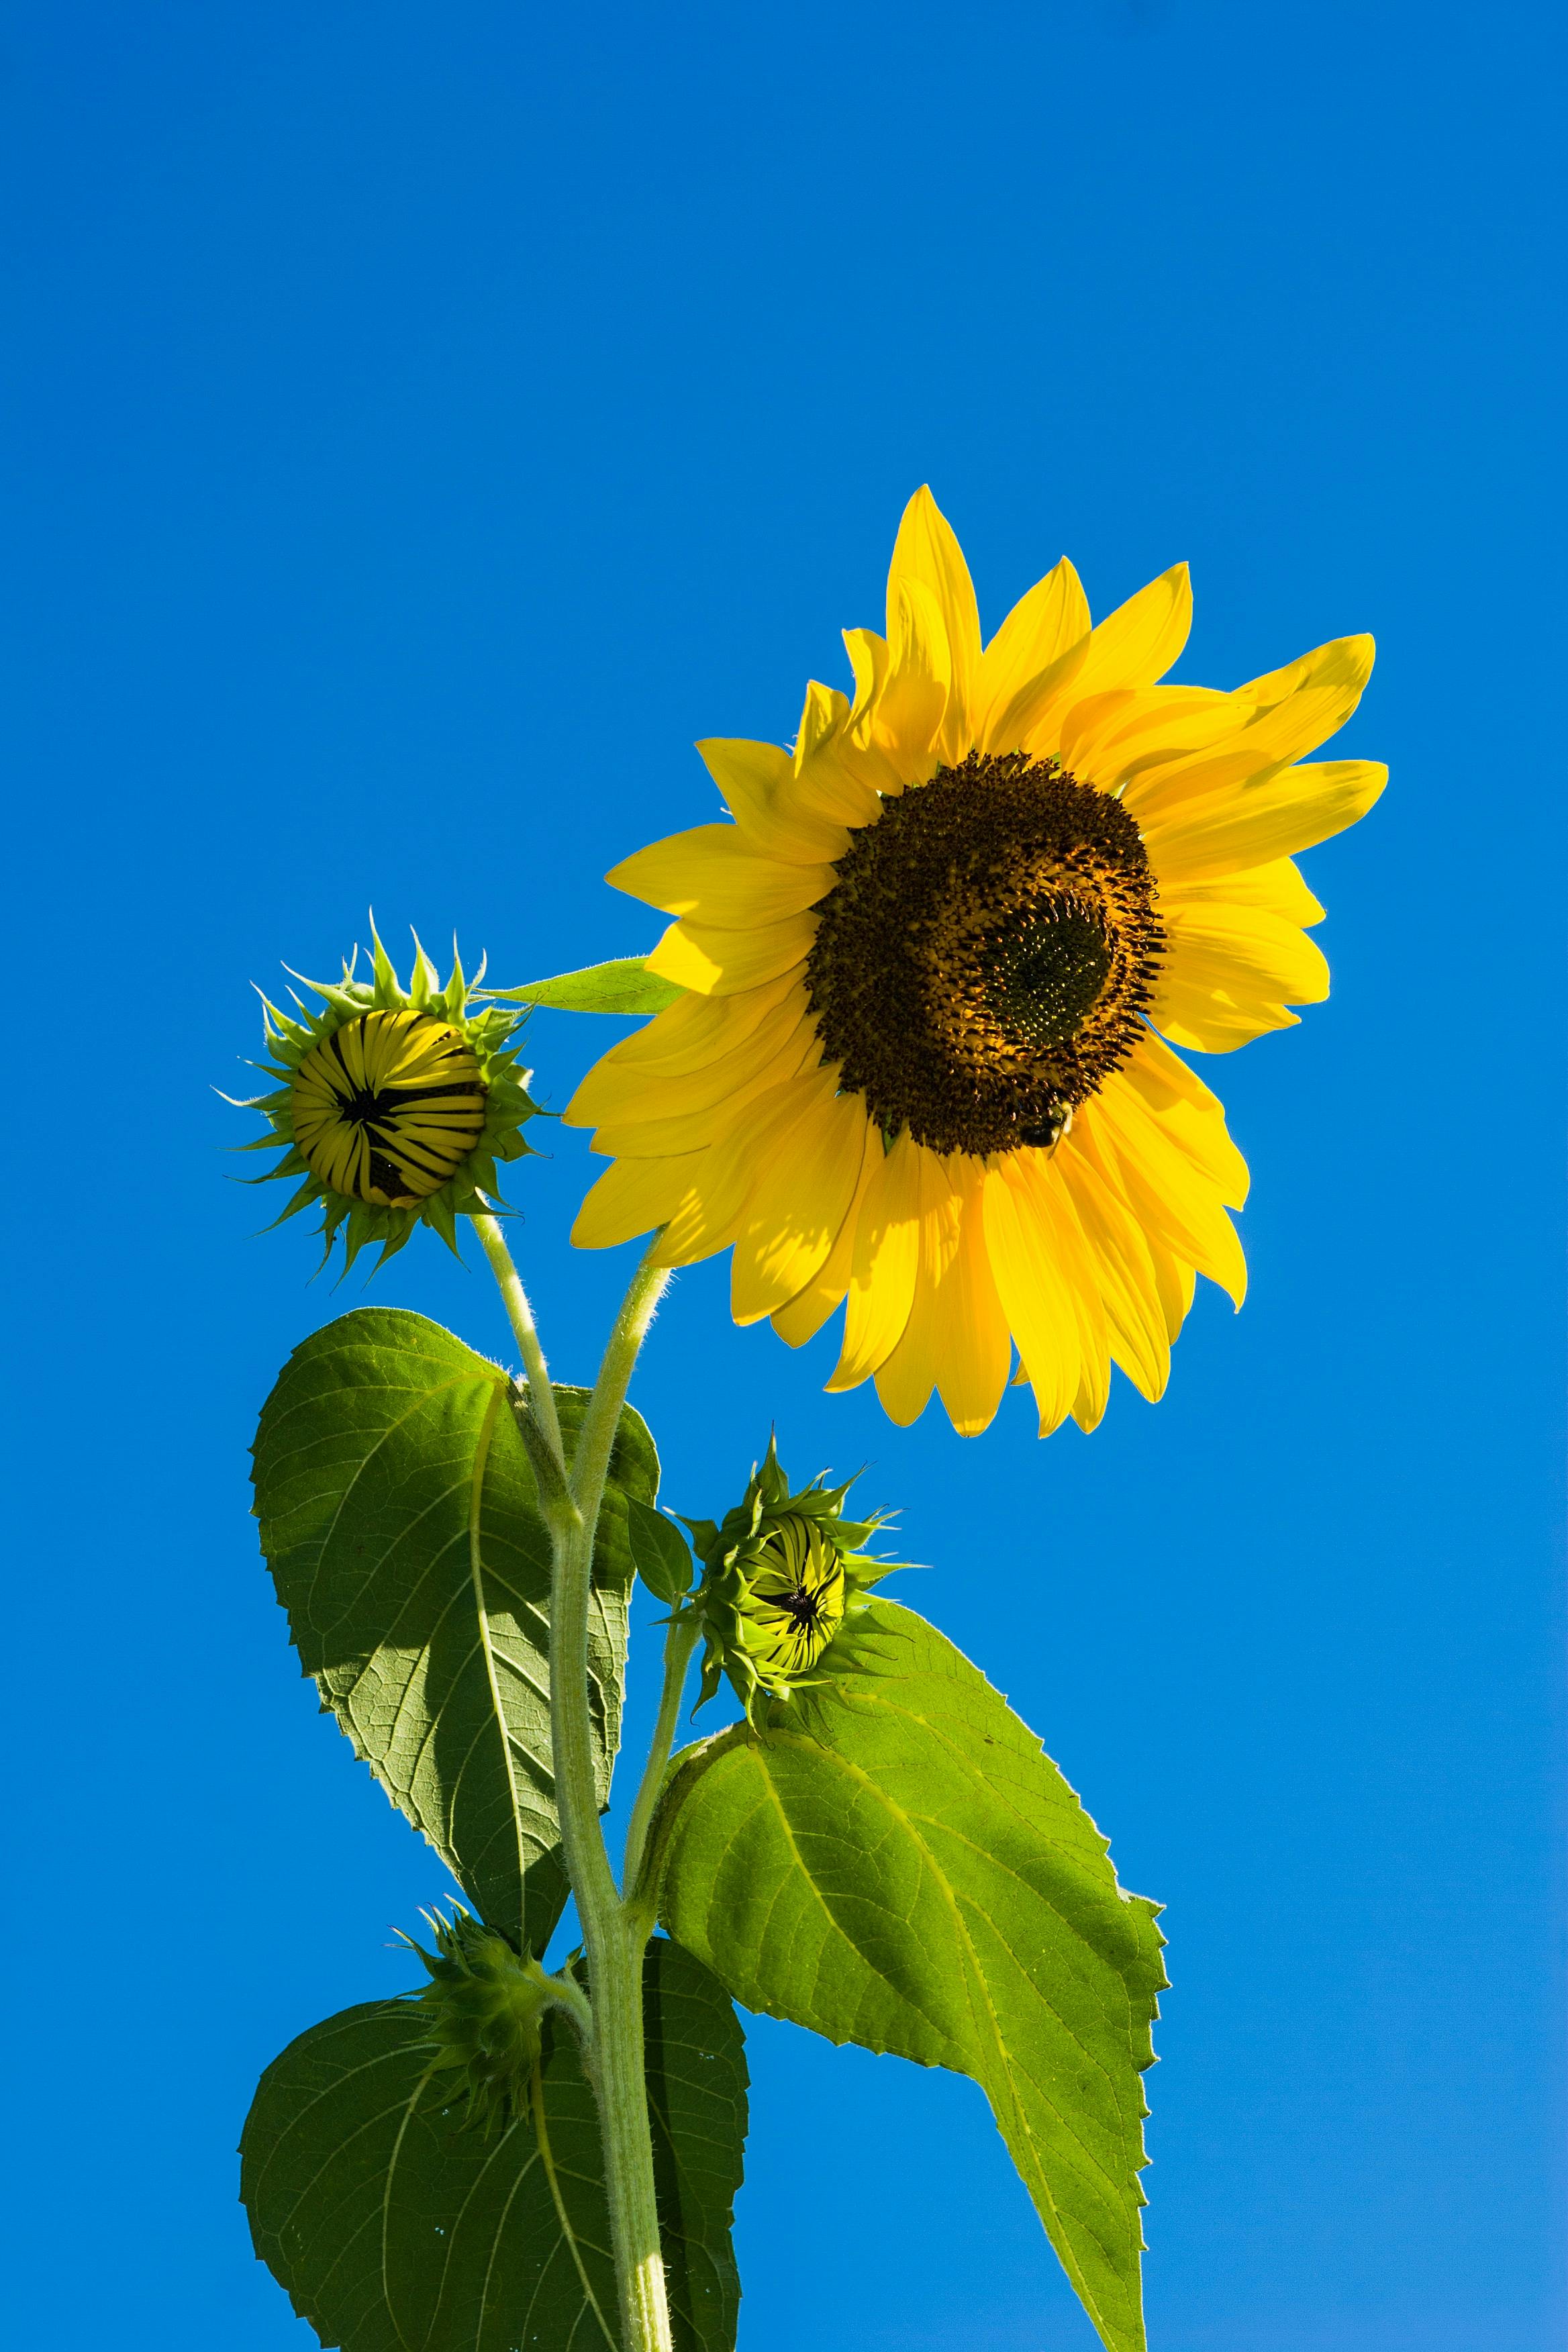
[663, 1562]
[622, 985]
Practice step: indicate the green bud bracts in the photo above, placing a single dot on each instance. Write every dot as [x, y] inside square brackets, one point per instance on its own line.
[784, 1581]
[485, 2007]
[394, 1104]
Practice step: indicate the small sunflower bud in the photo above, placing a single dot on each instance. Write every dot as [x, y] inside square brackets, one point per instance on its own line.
[395, 1103]
[785, 1579]
[484, 2007]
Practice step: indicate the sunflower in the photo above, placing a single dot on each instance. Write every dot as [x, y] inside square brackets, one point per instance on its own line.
[483, 2008]
[784, 1586]
[935, 968]
[395, 1103]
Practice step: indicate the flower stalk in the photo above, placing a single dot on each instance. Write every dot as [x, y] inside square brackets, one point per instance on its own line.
[520, 1315]
[615, 1930]
[685, 1632]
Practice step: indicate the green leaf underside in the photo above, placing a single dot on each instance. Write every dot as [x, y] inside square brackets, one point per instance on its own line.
[622, 985]
[400, 1518]
[393, 2229]
[894, 1862]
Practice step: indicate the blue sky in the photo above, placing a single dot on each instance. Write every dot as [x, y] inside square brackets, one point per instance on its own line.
[421, 425]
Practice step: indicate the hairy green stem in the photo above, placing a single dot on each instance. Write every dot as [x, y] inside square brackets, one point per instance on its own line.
[591, 1460]
[617, 2067]
[614, 1936]
[563, 1993]
[679, 1643]
[520, 1315]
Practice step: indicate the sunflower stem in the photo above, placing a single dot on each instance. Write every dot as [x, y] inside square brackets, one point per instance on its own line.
[561, 1992]
[520, 1315]
[678, 1644]
[590, 1459]
[614, 1935]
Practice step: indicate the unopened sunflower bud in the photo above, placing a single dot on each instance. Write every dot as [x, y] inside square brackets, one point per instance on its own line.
[785, 1581]
[395, 1103]
[484, 2007]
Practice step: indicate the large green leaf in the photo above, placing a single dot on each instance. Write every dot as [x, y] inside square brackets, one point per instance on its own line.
[892, 1861]
[400, 1518]
[394, 2228]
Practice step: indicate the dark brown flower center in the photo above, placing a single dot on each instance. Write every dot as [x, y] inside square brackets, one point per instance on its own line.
[986, 957]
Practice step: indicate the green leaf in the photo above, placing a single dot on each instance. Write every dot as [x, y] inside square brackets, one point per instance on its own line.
[622, 985]
[893, 1862]
[394, 2228]
[661, 1553]
[399, 1516]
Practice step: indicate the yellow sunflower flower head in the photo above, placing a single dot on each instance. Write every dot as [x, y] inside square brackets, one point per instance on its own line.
[784, 1581]
[484, 2007]
[394, 1104]
[935, 963]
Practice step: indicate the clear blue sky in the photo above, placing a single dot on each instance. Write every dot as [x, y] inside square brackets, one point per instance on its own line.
[421, 425]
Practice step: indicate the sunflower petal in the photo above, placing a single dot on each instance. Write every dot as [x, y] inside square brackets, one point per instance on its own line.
[1108, 736]
[1278, 887]
[926, 554]
[843, 782]
[1032, 722]
[908, 713]
[884, 1263]
[974, 1354]
[686, 1036]
[803, 1317]
[1124, 1272]
[797, 1204]
[1348, 659]
[1169, 1195]
[868, 659]
[1208, 1022]
[670, 1119]
[1247, 825]
[712, 874]
[1136, 645]
[615, 1094]
[758, 782]
[1189, 1114]
[1050, 622]
[907, 1377]
[1032, 1285]
[632, 1197]
[1043, 1174]
[1316, 696]
[823, 713]
[1228, 974]
[720, 1179]
[725, 963]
